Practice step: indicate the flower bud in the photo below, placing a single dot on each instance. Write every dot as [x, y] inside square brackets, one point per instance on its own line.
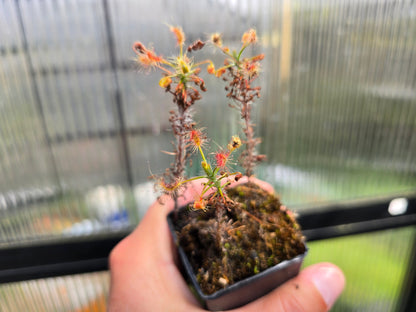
[200, 204]
[220, 72]
[234, 143]
[211, 69]
[216, 39]
[165, 82]
[238, 176]
[249, 36]
[179, 34]
[207, 168]
[259, 57]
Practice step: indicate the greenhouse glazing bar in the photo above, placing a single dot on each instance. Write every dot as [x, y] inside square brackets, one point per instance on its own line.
[90, 254]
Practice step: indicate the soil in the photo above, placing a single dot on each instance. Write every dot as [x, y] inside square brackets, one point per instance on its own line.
[242, 237]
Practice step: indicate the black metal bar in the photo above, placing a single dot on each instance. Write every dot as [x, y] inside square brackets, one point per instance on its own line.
[345, 212]
[356, 217]
[359, 227]
[53, 270]
[117, 95]
[57, 258]
[88, 255]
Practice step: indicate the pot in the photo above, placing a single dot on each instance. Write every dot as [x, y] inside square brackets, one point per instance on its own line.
[244, 291]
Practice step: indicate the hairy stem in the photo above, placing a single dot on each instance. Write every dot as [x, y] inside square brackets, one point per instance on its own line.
[180, 157]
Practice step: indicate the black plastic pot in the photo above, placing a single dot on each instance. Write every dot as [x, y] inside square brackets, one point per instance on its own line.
[244, 291]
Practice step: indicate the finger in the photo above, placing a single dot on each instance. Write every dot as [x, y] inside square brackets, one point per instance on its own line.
[191, 192]
[315, 289]
[143, 264]
[264, 185]
[152, 236]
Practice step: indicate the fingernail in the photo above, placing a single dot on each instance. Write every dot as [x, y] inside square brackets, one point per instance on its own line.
[330, 282]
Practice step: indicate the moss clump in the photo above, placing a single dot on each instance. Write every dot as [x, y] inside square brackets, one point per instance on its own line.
[241, 242]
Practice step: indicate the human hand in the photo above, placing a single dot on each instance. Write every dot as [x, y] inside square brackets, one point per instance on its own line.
[144, 275]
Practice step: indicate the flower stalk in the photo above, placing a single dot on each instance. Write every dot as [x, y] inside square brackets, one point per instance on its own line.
[241, 73]
[181, 80]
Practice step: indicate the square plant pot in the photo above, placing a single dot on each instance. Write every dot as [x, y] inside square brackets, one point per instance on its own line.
[246, 290]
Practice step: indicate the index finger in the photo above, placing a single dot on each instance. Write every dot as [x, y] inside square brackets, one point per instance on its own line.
[264, 185]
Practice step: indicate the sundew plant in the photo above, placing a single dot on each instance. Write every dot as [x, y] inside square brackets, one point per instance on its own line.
[181, 79]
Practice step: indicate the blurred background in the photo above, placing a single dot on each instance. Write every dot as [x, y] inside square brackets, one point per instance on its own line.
[82, 128]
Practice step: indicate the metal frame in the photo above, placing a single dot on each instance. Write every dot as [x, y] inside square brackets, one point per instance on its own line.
[356, 217]
[89, 254]
[57, 258]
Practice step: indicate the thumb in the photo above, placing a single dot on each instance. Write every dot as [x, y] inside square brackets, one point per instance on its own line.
[315, 289]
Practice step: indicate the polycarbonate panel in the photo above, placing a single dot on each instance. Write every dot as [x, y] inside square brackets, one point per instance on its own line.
[82, 127]
[340, 121]
[337, 114]
[80, 293]
[77, 104]
[338, 109]
[63, 34]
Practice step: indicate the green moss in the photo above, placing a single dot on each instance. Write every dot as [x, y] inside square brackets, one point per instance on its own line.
[240, 246]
